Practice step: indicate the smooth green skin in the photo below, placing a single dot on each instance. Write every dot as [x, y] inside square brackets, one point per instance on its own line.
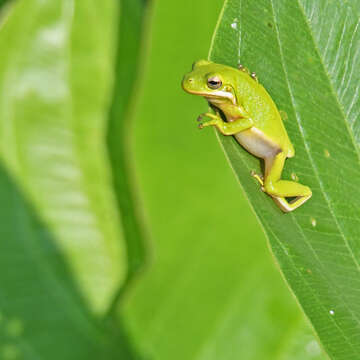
[253, 118]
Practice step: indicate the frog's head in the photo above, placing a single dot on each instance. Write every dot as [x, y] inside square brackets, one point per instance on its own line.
[213, 81]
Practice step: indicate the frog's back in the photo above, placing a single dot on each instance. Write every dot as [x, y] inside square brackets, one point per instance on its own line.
[258, 103]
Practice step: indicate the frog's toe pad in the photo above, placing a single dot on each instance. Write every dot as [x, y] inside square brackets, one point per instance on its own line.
[259, 178]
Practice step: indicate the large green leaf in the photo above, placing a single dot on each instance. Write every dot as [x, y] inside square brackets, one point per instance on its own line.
[306, 53]
[62, 252]
[55, 78]
[212, 291]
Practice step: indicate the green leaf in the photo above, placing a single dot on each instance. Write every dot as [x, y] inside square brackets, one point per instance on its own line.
[62, 252]
[212, 291]
[55, 81]
[43, 313]
[306, 54]
[63, 256]
[125, 97]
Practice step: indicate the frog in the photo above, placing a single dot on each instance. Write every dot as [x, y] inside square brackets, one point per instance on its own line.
[242, 108]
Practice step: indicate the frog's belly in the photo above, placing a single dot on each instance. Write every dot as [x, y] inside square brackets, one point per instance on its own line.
[254, 141]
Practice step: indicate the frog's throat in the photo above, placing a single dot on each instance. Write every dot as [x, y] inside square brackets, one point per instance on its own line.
[220, 97]
[217, 97]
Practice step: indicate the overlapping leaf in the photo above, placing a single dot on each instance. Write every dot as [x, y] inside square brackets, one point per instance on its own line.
[52, 130]
[62, 252]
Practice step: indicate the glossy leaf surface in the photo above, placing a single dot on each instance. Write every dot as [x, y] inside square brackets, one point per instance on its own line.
[50, 123]
[62, 251]
[306, 54]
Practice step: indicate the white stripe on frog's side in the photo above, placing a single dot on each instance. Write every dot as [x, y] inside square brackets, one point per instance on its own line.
[219, 96]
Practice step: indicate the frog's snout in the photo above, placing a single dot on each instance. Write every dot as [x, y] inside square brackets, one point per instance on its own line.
[187, 82]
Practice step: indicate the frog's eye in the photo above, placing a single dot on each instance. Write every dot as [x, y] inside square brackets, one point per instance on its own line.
[214, 82]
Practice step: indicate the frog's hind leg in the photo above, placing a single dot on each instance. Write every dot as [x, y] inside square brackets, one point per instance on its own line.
[279, 189]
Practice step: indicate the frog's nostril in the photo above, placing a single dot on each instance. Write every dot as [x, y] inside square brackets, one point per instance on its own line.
[190, 80]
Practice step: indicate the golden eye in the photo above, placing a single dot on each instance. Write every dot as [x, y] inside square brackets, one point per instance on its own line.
[214, 82]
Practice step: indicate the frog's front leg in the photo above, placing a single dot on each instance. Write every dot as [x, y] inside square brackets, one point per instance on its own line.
[214, 119]
[226, 128]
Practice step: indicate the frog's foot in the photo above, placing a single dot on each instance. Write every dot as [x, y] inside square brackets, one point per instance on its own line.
[282, 190]
[213, 120]
[288, 206]
[259, 178]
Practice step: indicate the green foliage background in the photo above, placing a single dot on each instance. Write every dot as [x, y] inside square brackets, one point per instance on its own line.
[123, 231]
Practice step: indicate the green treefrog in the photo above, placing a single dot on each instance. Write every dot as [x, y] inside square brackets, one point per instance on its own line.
[251, 116]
